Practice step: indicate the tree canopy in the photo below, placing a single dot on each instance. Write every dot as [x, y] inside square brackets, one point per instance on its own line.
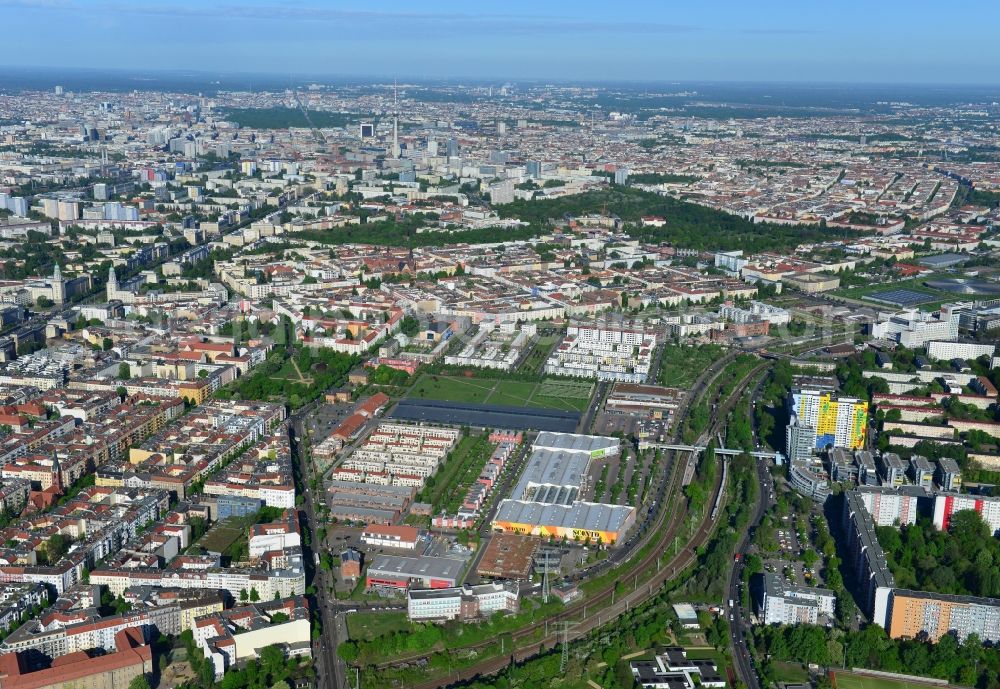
[962, 560]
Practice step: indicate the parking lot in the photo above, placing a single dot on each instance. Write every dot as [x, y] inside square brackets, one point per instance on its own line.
[325, 418]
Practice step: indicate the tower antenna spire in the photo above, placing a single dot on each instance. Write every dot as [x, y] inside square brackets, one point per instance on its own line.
[395, 120]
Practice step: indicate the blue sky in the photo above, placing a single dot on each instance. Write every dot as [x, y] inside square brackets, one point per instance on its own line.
[880, 41]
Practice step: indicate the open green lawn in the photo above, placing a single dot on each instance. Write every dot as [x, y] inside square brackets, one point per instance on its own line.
[549, 394]
[369, 625]
[221, 537]
[790, 672]
[847, 680]
[512, 393]
[722, 660]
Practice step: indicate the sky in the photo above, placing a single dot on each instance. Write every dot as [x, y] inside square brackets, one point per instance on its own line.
[852, 41]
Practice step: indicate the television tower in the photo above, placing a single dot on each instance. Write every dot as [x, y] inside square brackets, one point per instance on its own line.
[395, 122]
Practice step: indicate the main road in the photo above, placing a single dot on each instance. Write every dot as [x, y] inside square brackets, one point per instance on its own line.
[738, 626]
[330, 670]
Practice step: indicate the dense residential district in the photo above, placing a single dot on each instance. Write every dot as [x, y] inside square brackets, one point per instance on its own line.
[421, 386]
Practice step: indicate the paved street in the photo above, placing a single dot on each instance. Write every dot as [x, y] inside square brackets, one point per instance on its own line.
[330, 670]
[739, 624]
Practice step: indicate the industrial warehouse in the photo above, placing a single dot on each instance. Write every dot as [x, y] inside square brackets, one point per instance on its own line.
[397, 573]
[546, 501]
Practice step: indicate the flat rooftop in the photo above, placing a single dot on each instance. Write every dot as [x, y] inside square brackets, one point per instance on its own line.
[588, 516]
[417, 567]
[573, 442]
[508, 556]
[548, 469]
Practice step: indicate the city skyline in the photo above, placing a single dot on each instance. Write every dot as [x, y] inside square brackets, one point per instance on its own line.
[772, 42]
[485, 346]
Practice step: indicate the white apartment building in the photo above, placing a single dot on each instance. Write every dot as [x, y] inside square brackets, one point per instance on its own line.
[401, 454]
[946, 350]
[269, 537]
[603, 353]
[786, 603]
[888, 506]
[757, 311]
[947, 504]
[914, 328]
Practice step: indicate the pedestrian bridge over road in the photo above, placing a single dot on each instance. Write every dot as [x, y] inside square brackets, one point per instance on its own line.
[698, 449]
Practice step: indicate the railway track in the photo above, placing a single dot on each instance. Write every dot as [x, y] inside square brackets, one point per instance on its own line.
[586, 620]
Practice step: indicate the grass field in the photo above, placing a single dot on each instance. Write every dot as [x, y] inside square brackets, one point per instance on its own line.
[851, 681]
[721, 660]
[465, 461]
[682, 364]
[221, 537]
[790, 672]
[283, 118]
[291, 371]
[549, 394]
[540, 352]
[369, 625]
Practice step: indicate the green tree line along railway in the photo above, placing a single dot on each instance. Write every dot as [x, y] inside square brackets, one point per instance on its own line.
[605, 605]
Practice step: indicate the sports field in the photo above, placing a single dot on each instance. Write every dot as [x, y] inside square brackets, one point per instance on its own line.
[904, 293]
[850, 681]
[567, 395]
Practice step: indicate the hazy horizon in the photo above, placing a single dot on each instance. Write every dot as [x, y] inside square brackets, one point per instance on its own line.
[859, 43]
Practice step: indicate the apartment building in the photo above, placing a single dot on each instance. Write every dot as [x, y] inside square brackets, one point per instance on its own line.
[129, 658]
[892, 468]
[603, 353]
[921, 472]
[914, 328]
[946, 350]
[836, 421]
[787, 603]
[870, 566]
[275, 536]
[888, 506]
[238, 635]
[947, 504]
[916, 613]
[948, 475]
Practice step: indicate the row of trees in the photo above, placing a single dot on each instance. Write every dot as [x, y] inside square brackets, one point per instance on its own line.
[967, 662]
[421, 638]
[716, 557]
[853, 383]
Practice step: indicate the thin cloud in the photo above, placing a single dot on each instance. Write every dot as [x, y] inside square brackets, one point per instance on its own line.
[497, 23]
[780, 32]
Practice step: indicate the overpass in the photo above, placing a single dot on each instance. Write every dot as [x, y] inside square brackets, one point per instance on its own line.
[698, 449]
